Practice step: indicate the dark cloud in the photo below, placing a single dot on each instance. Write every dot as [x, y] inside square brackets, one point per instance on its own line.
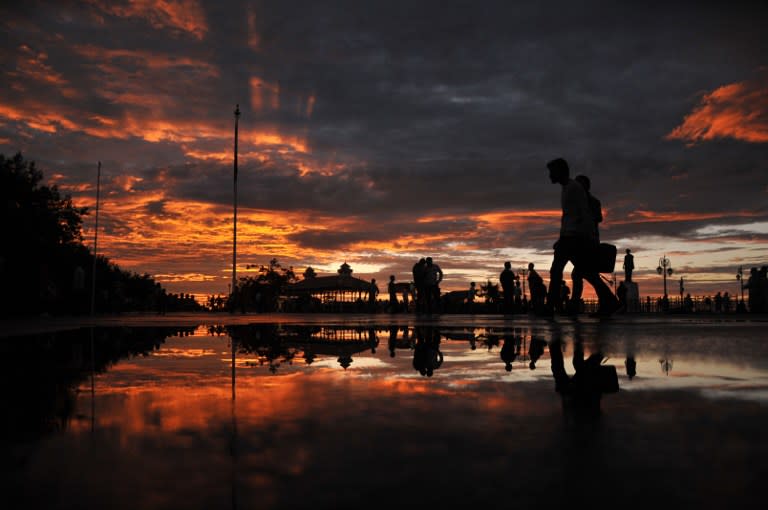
[386, 113]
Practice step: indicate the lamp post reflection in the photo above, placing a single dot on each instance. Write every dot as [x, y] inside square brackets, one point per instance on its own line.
[523, 274]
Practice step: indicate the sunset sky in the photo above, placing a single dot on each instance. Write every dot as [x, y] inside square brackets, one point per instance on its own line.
[379, 132]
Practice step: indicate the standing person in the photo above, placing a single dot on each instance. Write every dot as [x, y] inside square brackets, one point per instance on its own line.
[537, 289]
[392, 289]
[577, 243]
[577, 280]
[518, 295]
[629, 265]
[418, 283]
[373, 291]
[471, 293]
[433, 275]
[507, 279]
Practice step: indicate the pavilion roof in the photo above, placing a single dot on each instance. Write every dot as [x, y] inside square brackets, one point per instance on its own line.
[329, 283]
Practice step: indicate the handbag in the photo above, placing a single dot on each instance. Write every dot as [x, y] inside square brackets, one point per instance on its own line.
[606, 258]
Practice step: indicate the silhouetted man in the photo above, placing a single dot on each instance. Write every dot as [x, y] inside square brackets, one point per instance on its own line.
[418, 282]
[373, 291]
[629, 265]
[392, 289]
[596, 208]
[577, 243]
[507, 279]
[537, 289]
[433, 275]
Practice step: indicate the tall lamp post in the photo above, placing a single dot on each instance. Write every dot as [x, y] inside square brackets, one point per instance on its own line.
[740, 279]
[234, 223]
[682, 289]
[665, 269]
[96, 241]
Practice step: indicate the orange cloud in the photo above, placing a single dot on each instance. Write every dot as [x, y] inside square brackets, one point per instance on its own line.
[184, 15]
[737, 110]
[641, 216]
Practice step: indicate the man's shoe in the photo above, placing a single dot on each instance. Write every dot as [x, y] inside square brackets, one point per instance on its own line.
[606, 310]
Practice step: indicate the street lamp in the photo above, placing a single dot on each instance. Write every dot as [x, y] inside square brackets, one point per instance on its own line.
[665, 269]
[234, 215]
[740, 279]
[682, 289]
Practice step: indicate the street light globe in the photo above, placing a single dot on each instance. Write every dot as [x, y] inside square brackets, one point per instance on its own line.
[669, 271]
[659, 270]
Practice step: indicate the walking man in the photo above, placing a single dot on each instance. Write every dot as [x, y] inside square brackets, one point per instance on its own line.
[577, 243]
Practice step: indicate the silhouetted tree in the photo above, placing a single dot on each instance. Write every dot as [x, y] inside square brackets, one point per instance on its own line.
[261, 293]
[44, 265]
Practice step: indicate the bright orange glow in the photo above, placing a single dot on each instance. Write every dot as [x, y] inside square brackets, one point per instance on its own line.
[264, 95]
[185, 15]
[737, 110]
[642, 216]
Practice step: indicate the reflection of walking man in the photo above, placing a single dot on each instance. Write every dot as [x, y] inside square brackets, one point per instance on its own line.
[629, 265]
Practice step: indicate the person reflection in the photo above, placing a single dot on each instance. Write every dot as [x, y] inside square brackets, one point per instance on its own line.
[535, 350]
[373, 340]
[426, 353]
[582, 392]
[631, 366]
[392, 345]
[510, 350]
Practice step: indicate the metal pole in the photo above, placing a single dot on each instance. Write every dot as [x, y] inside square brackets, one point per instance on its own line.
[234, 226]
[95, 241]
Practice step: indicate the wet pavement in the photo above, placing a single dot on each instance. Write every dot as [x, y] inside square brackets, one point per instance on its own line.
[342, 411]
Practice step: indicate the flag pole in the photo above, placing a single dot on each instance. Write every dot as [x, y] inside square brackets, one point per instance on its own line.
[234, 226]
[95, 242]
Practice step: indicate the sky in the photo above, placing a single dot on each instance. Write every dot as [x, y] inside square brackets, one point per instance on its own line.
[379, 132]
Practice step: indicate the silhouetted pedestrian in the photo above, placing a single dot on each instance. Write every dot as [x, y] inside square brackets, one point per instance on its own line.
[629, 265]
[373, 292]
[433, 275]
[537, 289]
[507, 279]
[392, 289]
[577, 243]
[596, 209]
[418, 282]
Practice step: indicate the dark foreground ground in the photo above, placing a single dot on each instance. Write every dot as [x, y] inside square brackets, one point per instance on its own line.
[324, 411]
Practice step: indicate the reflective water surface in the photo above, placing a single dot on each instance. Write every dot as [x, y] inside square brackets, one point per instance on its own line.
[335, 416]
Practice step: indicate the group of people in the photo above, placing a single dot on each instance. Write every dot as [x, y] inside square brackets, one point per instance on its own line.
[757, 286]
[578, 243]
[427, 276]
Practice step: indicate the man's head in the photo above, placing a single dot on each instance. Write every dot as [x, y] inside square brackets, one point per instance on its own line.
[530, 266]
[628, 250]
[558, 171]
[507, 265]
[429, 261]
